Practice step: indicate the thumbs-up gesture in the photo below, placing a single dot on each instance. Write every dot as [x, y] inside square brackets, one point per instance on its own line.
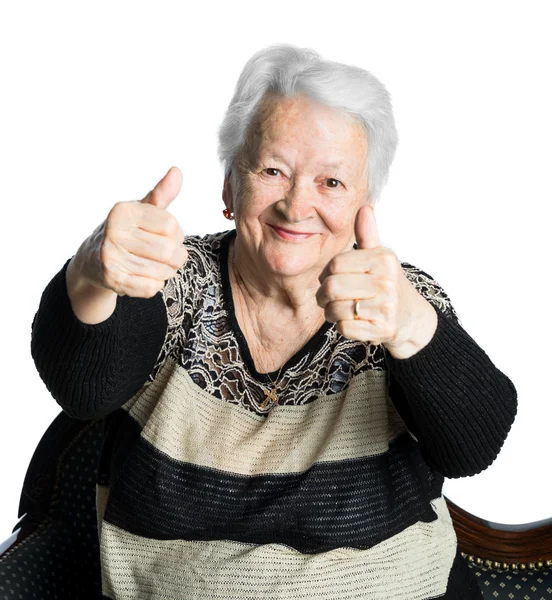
[140, 245]
[388, 306]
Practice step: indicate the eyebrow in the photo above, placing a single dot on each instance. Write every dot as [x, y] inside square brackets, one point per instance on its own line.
[333, 165]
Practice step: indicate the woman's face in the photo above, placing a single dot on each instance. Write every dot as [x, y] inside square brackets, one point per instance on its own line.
[304, 171]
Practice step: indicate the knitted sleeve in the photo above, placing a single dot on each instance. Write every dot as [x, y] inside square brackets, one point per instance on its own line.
[453, 400]
[91, 370]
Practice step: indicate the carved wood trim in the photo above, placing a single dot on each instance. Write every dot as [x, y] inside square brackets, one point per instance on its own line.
[527, 544]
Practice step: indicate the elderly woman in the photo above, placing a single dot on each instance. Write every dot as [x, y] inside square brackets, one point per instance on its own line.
[282, 406]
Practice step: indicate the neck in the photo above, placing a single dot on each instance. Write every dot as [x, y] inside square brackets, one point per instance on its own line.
[294, 298]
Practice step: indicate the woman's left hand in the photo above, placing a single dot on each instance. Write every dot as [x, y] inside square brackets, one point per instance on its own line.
[390, 307]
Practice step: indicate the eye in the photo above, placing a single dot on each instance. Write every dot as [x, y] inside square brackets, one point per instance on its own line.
[336, 180]
[271, 169]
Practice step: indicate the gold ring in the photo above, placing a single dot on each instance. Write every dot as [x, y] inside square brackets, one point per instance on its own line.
[355, 310]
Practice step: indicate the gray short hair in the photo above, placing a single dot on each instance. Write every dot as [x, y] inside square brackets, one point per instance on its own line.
[286, 70]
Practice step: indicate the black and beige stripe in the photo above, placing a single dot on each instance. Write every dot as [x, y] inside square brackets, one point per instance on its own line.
[330, 498]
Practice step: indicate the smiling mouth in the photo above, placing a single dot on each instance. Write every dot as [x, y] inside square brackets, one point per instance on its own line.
[290, 235]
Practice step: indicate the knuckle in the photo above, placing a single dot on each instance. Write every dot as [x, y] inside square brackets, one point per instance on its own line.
[171, 224]
[386, 253]
[389, 306]
[154, 287]
[112, 281]
[341, 327]
[115, 209]
[331, 287]
[167, 251]
[170, 271]
[388, 286]
[333, 265]
[331, 313]
[119, 211]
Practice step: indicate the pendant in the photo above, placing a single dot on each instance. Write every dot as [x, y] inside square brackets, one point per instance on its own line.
[270, 396]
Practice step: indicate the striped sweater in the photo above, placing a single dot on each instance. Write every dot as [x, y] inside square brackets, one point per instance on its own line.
[335, 492]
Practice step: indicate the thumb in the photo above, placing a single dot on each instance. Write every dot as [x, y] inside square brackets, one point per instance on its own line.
[166, 190]
[366, 230]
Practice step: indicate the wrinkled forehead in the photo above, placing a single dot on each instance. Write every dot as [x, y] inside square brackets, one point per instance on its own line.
[343, 143]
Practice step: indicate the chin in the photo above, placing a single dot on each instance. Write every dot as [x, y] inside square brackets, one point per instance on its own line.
[291, 263]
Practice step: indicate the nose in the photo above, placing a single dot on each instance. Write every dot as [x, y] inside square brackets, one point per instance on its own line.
[298, 203]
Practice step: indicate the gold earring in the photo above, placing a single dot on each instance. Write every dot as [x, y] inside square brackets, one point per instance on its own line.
[228, 214]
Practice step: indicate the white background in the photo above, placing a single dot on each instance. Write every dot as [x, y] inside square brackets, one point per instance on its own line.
[100, 99]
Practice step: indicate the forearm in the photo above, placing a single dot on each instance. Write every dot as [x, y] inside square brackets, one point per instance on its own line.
[91, 370]
[454, 400]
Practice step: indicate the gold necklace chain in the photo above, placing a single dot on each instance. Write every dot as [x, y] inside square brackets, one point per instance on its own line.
[271, 395]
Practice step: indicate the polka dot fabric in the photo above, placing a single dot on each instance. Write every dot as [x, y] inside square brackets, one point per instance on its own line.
[60, 557]
[498, 584]
[44, 565]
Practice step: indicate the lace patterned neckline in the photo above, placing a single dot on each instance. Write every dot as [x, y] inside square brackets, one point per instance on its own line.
[312, 345]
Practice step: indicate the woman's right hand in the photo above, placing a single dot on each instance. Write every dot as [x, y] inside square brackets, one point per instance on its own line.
[139, 246]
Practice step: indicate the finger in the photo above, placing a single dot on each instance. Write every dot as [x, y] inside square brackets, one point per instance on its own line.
[352, 261]
[166, 190]
[343, 310]
[138, 265]
[363, 331]
[152, 246]
[366, 230]
[153, 220]
[179, 258]
[346, 286]
[140, 287]
[130, 265]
